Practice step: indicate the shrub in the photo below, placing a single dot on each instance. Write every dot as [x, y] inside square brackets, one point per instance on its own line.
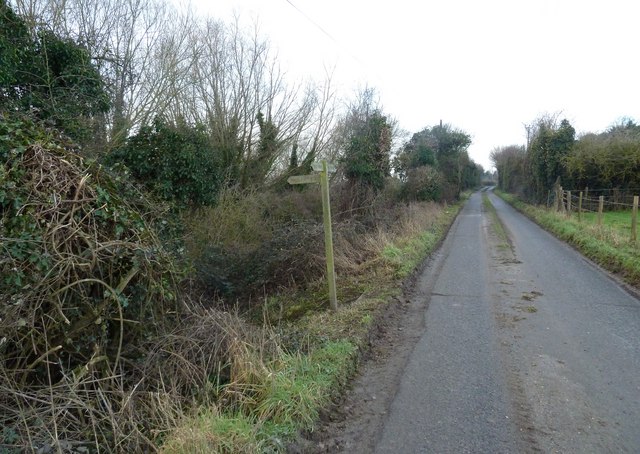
[423, 183]
[78, 259]
[84, 280]
[49, 76]
[251, 241]
[293, 253]
[176, 163]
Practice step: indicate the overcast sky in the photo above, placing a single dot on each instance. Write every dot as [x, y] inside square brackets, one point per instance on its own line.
[486, 66]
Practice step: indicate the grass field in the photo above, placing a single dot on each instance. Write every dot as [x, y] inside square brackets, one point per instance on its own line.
[619, 221]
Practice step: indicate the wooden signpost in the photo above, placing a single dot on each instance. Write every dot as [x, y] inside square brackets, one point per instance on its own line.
[322, 177]
[304, 179]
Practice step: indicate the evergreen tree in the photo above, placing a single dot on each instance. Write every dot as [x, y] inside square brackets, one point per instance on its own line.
[367, 153]
[51, 78]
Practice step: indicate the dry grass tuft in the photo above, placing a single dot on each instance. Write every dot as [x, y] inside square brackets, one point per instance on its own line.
[182, 371]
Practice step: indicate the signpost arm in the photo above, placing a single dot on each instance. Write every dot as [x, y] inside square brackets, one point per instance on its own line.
[328, 235]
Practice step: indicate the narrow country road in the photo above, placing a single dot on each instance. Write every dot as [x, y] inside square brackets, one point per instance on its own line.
[526, 347]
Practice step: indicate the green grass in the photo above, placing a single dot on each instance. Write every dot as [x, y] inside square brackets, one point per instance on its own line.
[301, 384]
[617, 220]
[286, 399]
[496, 224]
[211, 432]
[609, 245]
[407, 255]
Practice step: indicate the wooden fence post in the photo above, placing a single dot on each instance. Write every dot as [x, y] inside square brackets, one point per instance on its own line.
[586, 198]
[634, 219]
[568, 203]
[580, 207]
[600, 210]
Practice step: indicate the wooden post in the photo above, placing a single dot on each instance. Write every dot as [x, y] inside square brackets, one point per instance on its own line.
[580, 207]
[634, 219]
[328, 235]
[586, 197]
[568, 203]
[561, 192]
[600, 210]
[323, 178]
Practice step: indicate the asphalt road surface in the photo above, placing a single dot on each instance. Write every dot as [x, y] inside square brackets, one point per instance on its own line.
[527, 347]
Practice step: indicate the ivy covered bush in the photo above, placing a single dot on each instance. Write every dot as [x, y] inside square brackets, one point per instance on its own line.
[83, 275]
[50, 77]
[178, 164]
[423, 183]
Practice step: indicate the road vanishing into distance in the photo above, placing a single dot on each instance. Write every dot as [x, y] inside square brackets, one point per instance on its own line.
[527, 347]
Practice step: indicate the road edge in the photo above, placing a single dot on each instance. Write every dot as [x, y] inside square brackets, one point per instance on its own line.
[611, 274]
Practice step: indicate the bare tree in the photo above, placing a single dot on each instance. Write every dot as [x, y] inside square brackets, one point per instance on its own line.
[222, 76]
[233, 79]
[123, 37]
[316, 139]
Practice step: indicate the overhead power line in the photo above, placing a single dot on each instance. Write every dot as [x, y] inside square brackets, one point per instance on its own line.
[318, 26]
[326, 33]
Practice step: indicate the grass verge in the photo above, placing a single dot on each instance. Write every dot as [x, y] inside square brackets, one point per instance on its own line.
[270, 398]
[271, 404]
[496, 224]
[604, 245]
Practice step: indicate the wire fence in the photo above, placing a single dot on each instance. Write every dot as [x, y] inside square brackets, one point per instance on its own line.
[598, 201]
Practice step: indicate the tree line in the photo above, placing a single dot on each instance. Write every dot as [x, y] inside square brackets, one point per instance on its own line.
[193, 105]
[554, 155]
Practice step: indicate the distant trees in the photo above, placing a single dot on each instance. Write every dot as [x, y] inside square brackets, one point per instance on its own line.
[452, 156]
[124, 39]
[512, 167]
[607, 160]
[156, 62]
[239, 93]
[192, 105]
[532, 171]
[472, 174]
[435, 163]
[549, 147]
[419, 151]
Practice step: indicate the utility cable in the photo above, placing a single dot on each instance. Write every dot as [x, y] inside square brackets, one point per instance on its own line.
[329, 35]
